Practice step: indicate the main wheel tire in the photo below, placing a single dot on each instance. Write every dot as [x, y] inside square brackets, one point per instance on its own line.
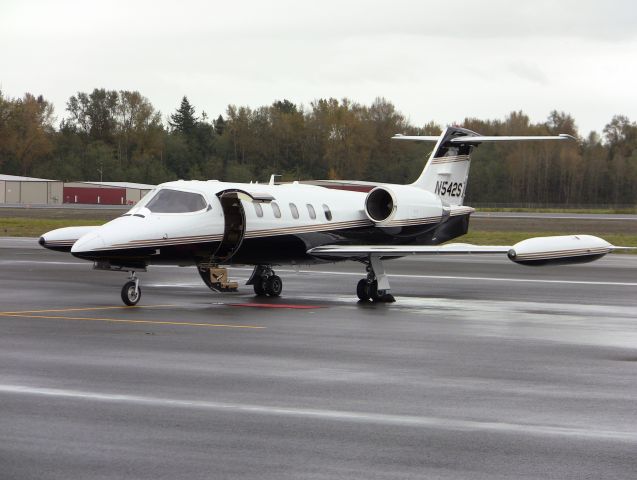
[374, 293]
[274, 286]
[362, 290]
[259, 286]
[129, 296]
[380, 296]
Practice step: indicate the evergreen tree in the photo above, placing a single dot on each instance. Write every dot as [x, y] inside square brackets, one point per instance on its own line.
[184, 120]
[220, 125]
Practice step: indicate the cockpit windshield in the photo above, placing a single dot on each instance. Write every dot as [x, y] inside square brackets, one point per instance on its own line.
[176, 201]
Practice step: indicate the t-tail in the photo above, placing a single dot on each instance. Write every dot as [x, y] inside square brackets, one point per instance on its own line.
[446, 172]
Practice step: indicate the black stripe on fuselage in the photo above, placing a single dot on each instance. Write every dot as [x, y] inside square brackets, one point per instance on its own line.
[285, 248]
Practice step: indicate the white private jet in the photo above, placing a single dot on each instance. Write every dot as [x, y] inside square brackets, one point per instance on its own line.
[211, 224]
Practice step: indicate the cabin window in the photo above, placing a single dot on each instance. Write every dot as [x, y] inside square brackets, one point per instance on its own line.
[276, 210]
[294, 210]
[328, 212]
[176, 201]
[258, 210]
[310, 210]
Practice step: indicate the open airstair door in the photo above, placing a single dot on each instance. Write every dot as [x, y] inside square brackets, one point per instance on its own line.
[234, 226]
[234, 221]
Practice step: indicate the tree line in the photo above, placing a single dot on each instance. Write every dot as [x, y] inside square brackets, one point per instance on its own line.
[119, 136]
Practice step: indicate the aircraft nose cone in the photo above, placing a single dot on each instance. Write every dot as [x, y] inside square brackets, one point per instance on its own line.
[87, 244]
[42, 241]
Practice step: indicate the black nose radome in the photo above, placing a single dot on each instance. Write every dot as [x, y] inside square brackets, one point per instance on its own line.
[41, 241]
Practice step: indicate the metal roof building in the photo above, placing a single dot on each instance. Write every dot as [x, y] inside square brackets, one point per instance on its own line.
[27, 190]
[16, 190]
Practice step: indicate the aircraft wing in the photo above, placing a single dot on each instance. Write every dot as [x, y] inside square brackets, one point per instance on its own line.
[357, 251]
[532, 251]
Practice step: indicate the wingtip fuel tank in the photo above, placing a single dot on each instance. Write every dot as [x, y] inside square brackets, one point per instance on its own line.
[564, 249]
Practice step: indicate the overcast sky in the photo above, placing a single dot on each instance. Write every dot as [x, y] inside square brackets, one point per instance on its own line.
[435, 60]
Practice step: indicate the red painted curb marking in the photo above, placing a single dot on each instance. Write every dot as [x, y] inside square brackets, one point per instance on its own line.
[275, 305]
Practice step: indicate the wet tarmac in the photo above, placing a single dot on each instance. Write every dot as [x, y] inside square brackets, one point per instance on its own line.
[481, 369]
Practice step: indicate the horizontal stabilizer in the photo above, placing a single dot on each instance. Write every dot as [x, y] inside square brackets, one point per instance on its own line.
[482, 138]
[416, 138]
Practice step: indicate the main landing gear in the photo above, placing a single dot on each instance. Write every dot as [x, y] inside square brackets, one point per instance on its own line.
[131, 293]
[265, 282]
[375, 286]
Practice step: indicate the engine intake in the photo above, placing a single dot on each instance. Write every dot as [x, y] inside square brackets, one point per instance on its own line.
[379, 204]
[403, 207]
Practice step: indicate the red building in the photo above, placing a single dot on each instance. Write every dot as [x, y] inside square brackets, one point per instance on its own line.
[105, 196]
[104, 193]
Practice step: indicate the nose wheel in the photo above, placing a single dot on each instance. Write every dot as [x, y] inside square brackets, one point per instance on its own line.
[131, 292]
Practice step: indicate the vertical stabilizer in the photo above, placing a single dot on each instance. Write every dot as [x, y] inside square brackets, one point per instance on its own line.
[447, 170]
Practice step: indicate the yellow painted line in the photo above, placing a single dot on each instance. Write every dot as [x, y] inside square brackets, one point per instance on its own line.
[88, 308]
[121, 320]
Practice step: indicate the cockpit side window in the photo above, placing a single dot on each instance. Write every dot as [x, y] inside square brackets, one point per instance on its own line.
[147, 196]
[176, 201]
[142, 202]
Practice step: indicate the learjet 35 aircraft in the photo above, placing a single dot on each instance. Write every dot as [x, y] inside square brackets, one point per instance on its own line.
[213, 224]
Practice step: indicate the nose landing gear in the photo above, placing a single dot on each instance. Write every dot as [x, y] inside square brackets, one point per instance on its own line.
[131, 293]
[375, 286]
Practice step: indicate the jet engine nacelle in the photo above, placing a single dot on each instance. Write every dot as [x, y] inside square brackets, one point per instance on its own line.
[559, 250]
[402, 205]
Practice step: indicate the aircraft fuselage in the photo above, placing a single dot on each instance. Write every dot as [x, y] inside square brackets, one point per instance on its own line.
[228, 225]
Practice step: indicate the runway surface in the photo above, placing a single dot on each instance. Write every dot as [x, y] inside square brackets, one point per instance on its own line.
[482, 369]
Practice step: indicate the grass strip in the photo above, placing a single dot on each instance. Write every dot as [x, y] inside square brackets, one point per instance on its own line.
[34, 227]
[603, 211]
